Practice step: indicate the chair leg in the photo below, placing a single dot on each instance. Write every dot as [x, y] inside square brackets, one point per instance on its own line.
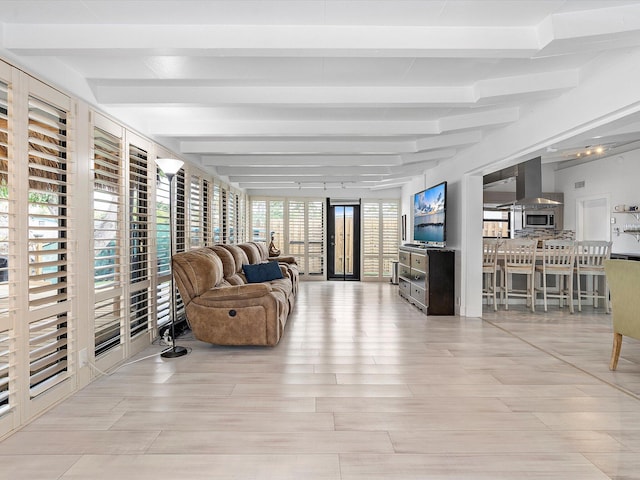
[494, 276]
[615, 353]
[544, 290]
[579, 294]
[607, 304]
[570, 292]
[531, 286]
[506, 291]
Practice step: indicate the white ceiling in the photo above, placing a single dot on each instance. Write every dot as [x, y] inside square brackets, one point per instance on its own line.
[271, 93]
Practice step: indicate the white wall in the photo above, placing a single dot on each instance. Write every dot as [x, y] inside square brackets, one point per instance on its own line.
[617, 178]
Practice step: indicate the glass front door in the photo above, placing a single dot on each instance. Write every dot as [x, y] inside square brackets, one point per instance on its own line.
[344, 242]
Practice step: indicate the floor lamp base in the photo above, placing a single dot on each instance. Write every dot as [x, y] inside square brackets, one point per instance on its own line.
[174, 352]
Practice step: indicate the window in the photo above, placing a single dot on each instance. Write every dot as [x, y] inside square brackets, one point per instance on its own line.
[380, 238]
[306, 235]
[215, 214]
[180, 211]
[5, 332]
[4, 202]
[225, 215]
[107, 239]
[47, 245]
[107, 199]
[495, 224]
[259, 221]
[315, 236]
[195, 213]
[163, 250]
[231, 217]
[206, 212]
[138, 240]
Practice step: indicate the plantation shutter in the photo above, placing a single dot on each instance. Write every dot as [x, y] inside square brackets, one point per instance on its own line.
[47, 245]
[276, 223]
[206, 212]
[297, 230]
[107, 240]
[371, 239]
[215, 214]
[381, 236]
[163, 249]
[224, 213]
[231, 217]
[138, 240]
[5, 322]
[180, 212]
[306, 235]
[195, 213]
[316, 237]
[241, 205]
[259, 221]
[390, 235]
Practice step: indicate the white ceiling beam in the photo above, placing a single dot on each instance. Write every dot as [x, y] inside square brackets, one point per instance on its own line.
[590, 29]
[532, 83]
[296, 147]
[162, 125]
[248, 179]
[272, 40]
[308, 160]
[301, 171]
[449, 140]
[198, 127]
[186, 93]
[483, 118]
[428, 156]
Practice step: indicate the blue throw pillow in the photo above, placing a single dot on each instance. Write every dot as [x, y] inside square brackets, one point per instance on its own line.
[262, 272]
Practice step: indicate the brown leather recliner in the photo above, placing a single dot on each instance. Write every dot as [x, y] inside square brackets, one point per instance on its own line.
[224, 314]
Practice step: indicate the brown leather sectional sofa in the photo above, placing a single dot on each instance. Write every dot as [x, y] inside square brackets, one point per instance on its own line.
[222, 307]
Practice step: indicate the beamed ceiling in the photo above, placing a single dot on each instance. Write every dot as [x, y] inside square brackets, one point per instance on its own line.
[309, 94]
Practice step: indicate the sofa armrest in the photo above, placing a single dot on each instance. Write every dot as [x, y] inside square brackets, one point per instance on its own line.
[287, 259]
[237, 292]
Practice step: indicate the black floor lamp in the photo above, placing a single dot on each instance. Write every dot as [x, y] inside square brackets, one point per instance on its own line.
[171, 166]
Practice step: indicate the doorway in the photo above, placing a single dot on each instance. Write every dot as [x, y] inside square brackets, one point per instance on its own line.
[593, 214]
[343, 238]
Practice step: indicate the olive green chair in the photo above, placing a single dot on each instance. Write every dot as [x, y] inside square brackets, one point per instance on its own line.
[623, 277]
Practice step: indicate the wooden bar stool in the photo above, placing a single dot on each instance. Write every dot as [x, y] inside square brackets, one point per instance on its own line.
[590, 257]
[490, 269]
[520, 259]
[558, 257]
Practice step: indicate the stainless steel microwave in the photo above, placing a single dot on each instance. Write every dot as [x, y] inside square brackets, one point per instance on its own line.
[539, 219]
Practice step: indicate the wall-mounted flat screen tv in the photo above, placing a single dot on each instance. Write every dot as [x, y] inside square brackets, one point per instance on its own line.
[430, 216]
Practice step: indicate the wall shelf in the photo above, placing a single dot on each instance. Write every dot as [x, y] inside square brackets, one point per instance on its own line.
[635, 230]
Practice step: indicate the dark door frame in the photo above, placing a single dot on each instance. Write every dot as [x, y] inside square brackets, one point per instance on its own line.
[331, 231]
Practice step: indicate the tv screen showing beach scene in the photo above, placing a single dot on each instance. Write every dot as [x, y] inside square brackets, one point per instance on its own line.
[429, 215]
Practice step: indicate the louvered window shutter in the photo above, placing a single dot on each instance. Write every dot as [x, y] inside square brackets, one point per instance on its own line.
[371, 239]
[107, 240]
[195, 213]
[47, 245]
[138, 240]
[381, 235]
[215, 214]
[276, 223]
[163, 249]
[5, 321]
[206, 212]
[390, 235]
[259, 221]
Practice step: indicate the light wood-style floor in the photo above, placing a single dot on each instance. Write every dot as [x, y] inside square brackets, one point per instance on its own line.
[362, 387]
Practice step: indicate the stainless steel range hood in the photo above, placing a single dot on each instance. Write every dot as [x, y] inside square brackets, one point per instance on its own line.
[529, 187]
